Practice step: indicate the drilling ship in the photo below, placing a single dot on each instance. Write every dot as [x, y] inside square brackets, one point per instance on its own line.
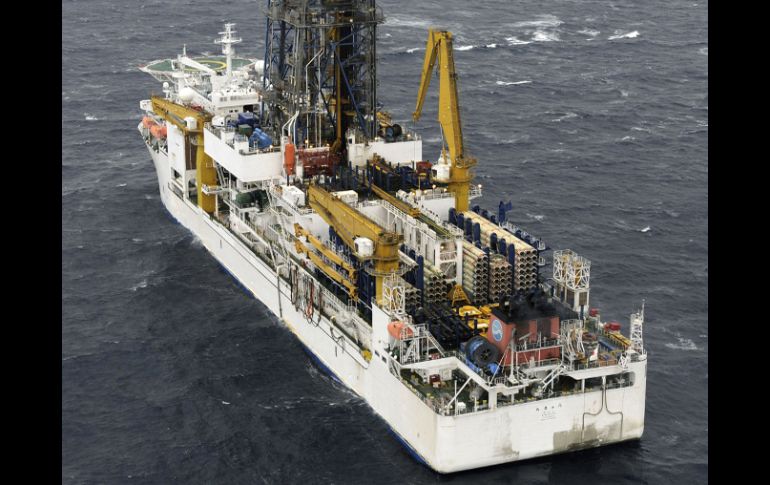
[471, 338]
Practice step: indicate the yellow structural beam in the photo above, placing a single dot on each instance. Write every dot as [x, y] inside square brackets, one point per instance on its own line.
[328, 270]
[205, 173]
[350, 224]
[399, 204]
[438, 51]
[330, 255]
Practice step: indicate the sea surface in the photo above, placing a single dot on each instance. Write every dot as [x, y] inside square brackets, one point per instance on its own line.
[590, 116]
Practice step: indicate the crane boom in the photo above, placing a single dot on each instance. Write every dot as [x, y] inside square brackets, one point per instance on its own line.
[438, 51]
[349, 224]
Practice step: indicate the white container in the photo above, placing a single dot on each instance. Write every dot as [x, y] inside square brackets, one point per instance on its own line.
[440, 173]
[192, 123]
[364, 246]
[293, 195]
[349, 197]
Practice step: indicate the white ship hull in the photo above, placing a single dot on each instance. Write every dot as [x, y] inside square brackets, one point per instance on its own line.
[445, 443]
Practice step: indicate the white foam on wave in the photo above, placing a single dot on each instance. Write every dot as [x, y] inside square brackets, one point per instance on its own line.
[646, 229]
[545, 36]
[414, 49]
[90, 117]
[704, 51]
[141, 284]
[511, 83]
[566, 116]
[543, 21]
[465, 47]
[517, 41]
[683, 344]
[490, 46]
[589, 32]
[405, 22]
[627, 35]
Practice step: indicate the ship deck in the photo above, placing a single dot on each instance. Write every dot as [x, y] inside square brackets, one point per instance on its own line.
[217, 63]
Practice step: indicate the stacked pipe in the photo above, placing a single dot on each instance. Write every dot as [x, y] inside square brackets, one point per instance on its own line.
[411, 295]
[435, 285]
[520, 255]
[500, 281]
[475, 274]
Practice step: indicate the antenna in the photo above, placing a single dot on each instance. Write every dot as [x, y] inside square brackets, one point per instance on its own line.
[228, 41]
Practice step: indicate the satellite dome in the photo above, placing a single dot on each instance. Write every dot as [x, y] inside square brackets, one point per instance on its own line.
[186, 94]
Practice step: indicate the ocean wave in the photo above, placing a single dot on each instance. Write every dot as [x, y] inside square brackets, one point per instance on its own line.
[517, 41]
[465, 47]
[90, 117]
[405, 22]
[490, 46]
[627, 35]
[141, 284]
[511, 83]
[566, 116]
[414, 49]
[545, 36]
[703, 51]
[589, 32]
[683, 344]
[544, 21]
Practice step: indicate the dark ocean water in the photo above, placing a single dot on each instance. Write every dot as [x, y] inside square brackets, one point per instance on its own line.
[590, 116]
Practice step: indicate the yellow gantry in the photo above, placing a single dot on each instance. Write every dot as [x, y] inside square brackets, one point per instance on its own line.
[349, 224]
[205, 173]
[439, 48]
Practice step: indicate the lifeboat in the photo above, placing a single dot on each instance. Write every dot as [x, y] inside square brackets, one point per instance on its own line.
[288, 158]
[155, 130]
[395, 328]
[147, 122]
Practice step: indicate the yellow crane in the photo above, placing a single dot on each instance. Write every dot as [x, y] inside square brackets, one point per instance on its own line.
[439, 48]
[351, 224]
[300, 231]
[205, 173]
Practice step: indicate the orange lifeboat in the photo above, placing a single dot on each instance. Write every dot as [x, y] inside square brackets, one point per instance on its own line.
[163, 131]
[155, 131]
[147, 122]
[288, 158]
[395, 328]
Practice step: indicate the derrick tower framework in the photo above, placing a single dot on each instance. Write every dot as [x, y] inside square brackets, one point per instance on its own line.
[320, 74]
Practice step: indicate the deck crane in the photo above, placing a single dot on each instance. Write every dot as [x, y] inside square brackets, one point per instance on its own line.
[205, 173]
[351, 224]
[458, 178]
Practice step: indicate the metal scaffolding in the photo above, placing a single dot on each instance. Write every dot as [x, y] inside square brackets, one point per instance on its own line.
[320, 74]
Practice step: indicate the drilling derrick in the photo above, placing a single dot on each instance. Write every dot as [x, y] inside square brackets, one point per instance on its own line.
[320, 71]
